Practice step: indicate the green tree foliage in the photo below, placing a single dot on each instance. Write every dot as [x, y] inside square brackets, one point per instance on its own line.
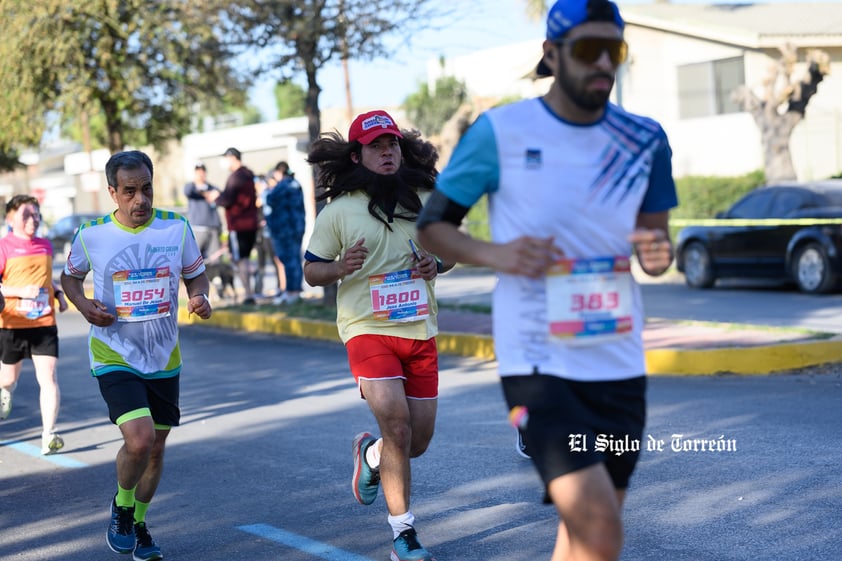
[302, 36]
[430, 110]
[290, 98]
[141, 65]
[9, 160]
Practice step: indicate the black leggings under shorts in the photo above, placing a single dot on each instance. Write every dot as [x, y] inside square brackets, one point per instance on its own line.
[569, 419]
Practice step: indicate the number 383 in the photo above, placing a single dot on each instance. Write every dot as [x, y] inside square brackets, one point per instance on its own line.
[594, 301]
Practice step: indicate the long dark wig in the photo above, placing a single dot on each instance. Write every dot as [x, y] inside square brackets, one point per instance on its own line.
[339, 174]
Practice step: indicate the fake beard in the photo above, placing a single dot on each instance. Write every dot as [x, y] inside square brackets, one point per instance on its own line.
[388, 192]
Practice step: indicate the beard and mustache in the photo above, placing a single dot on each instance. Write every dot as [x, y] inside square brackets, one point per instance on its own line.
[390, 196]
[579, 95]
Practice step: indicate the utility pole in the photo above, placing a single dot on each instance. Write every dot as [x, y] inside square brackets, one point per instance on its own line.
[86, 142]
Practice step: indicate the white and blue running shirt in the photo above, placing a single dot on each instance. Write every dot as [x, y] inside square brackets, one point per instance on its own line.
[584, 185]
[157, 254]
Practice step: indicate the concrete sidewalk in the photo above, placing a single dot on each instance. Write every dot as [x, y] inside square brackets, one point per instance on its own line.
[672, 347]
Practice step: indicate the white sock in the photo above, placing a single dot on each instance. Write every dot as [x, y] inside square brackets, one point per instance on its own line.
[401, 522]
[372, 454]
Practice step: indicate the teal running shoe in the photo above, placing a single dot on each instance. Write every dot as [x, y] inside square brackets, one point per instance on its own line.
[407, 548]
[366, 480]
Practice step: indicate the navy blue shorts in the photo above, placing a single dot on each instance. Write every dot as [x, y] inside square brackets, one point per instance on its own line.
[573, 425]
[125, 392]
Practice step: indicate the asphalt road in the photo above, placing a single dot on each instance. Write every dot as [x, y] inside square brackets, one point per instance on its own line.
[260, 469]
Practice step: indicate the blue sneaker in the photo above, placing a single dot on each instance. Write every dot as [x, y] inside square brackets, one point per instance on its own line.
[120, 535]
[366, 480]
[146, 549]
[407, 548]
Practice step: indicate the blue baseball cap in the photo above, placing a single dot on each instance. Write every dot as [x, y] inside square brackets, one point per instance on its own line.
[564, 15]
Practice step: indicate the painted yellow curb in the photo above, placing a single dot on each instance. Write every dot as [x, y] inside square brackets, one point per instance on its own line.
[762, 359]
[685, 362]
[460, 344]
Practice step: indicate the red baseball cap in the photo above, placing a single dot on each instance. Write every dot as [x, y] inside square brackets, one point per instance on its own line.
[368, 126]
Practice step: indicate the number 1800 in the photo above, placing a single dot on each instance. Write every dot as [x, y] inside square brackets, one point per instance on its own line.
[395, 298]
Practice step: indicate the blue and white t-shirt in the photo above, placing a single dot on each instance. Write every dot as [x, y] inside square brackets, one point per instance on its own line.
[584, 185]
[136, 274]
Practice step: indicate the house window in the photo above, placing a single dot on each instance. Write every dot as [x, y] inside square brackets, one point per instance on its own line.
[705, 88]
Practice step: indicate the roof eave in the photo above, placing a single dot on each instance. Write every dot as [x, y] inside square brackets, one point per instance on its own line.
[739, 38]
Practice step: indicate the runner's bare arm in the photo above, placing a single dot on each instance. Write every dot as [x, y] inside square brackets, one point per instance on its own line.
[526, 255]
[94, 311]
[323, 273]
[197, 290]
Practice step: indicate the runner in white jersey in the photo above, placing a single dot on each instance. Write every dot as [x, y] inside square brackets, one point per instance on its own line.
[575, 185]
[137, 255]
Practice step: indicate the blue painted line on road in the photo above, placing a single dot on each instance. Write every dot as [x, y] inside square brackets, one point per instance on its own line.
[319, 549]
[30, 450]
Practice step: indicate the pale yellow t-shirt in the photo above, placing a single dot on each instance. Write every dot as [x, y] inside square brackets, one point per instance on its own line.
[339, 225]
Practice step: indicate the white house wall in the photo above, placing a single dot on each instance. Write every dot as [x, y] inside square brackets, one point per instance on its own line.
[726, 144]
[648, 84]
[262, 146]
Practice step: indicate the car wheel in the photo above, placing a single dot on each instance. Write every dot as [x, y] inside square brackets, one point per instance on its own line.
[811, 269]
[698, 269]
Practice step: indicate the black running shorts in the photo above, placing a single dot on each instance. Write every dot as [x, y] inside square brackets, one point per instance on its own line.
[573, 425]
[125, 392]
[18, 344]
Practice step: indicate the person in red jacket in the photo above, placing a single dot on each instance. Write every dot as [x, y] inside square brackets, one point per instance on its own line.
[239, 199]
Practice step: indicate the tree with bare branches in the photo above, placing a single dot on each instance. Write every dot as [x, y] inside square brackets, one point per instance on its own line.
[780, 104]
[296, 37]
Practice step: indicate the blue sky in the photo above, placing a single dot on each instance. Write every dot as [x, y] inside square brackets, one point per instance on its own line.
[479, 24]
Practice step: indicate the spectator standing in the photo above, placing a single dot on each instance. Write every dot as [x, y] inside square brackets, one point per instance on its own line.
[286, 222]
[202, 211]
[137, 256]
[28, 321]
[263, 245]
[239, 199]
[576, 185]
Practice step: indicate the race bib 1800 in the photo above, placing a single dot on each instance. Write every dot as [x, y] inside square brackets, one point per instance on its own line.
[399, 296]
[589, 300]
[142, 294]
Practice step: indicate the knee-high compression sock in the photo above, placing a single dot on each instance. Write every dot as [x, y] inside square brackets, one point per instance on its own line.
[125, 497]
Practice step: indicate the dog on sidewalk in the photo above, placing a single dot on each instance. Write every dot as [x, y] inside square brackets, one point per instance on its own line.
[221, 274]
